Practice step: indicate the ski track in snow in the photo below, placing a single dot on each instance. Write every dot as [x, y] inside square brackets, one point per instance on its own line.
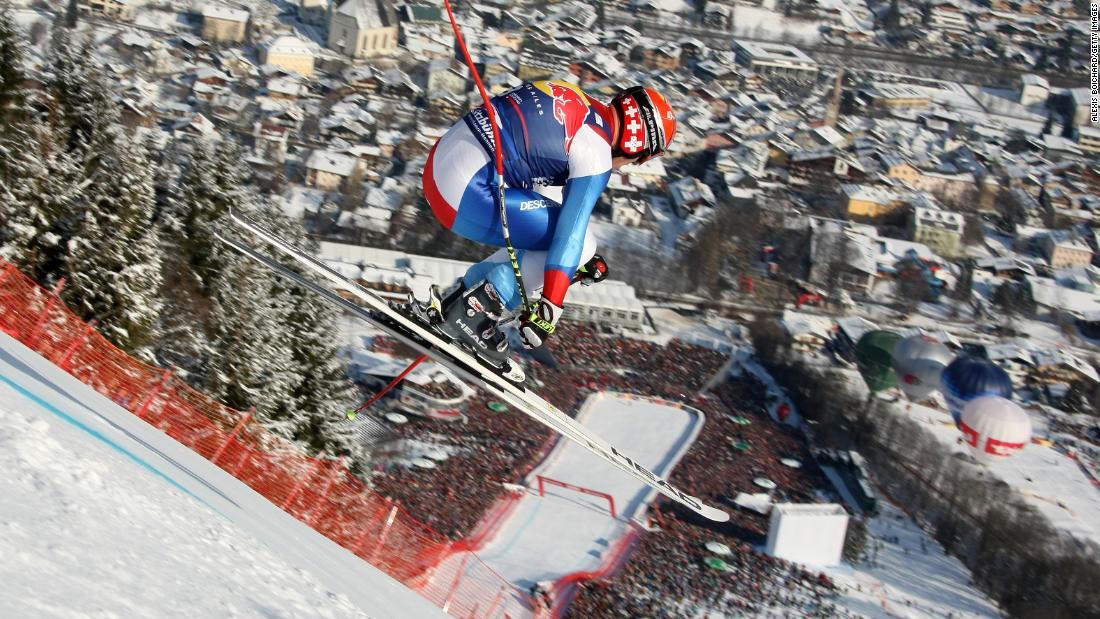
[80, 537]
[86, 533]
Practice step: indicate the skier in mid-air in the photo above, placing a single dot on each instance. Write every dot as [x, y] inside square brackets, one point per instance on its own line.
[560, 146]
[555, 136]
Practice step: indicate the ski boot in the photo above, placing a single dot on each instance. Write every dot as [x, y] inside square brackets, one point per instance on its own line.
[429, 311]
[468, 317]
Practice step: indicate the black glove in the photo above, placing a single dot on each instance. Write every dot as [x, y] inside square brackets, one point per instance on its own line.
[592, 272]
[537, 326]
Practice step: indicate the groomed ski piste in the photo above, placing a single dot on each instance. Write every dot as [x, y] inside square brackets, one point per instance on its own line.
[104, 515]
[543, 539]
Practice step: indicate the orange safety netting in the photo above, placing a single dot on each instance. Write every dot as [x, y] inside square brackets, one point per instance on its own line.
[322, 493]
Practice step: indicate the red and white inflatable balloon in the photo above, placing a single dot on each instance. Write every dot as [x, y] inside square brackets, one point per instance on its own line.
[994, 427]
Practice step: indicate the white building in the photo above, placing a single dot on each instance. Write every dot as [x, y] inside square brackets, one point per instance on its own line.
[812, 534]
[809, 332]
[363, 28]
[940, 230]
[116, 9]
[1082, 106]
[610, 302]
[1035, 89]
[289, 53]
[689, 194]
[627, 211]
[775, 59]
[947, 16]
[1064, 250]
[223, 24]
[1088, 139]
[329, 171]
[447, 76]
[395, 274]
[843, 255]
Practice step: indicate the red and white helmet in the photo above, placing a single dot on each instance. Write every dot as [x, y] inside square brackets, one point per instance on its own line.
[648, 123]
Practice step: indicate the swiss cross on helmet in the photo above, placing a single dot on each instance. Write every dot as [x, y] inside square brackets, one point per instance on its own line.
[647, 123]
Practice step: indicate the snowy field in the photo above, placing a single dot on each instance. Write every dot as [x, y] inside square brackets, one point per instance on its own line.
[714, 332]
[546, 538]
[908, 574]
[757, 23]
[1048, 479]
[105, 516]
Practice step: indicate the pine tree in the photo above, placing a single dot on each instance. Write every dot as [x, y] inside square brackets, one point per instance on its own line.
[64, 76]
[181, 340]
[113, 259]
[221, 319]
[84, 187]
[212, 183]
[37, 181]
[69, 18]
[321, 390]
[242, 335]
[19, 166]
[252, 362]
[194, 262]
[86, 108]
[12, 93]
[19, 171]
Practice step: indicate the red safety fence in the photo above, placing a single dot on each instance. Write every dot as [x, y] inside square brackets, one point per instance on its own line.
[563, 590]
[320, 492]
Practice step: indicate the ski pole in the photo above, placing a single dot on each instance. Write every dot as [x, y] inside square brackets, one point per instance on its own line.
[393, 383]
[499, 159]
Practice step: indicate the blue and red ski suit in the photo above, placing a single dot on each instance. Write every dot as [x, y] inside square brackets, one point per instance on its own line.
[556, 139]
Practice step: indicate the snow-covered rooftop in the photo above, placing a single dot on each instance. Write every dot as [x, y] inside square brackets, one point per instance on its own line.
[217, 11]
[289, 45]
[333, 163]
[774, 52]
[1048, 293]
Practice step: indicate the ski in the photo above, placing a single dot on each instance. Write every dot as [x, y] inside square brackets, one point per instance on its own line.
[378, 312]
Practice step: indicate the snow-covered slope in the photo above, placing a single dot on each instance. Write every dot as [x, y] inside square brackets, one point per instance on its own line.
[104, 515]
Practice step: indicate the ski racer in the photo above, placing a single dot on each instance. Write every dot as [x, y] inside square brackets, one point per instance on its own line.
[560, 146]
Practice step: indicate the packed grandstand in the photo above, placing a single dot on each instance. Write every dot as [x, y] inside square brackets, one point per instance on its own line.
[665, 574]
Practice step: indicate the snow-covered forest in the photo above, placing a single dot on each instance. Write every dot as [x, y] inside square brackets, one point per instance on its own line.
[122, 226]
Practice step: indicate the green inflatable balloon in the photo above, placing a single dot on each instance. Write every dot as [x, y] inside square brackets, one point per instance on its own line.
[716, 564]
[874, 356]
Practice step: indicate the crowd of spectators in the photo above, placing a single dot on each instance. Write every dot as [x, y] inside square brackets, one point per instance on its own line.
[665, 575]
[488, 450]
[442, 389]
